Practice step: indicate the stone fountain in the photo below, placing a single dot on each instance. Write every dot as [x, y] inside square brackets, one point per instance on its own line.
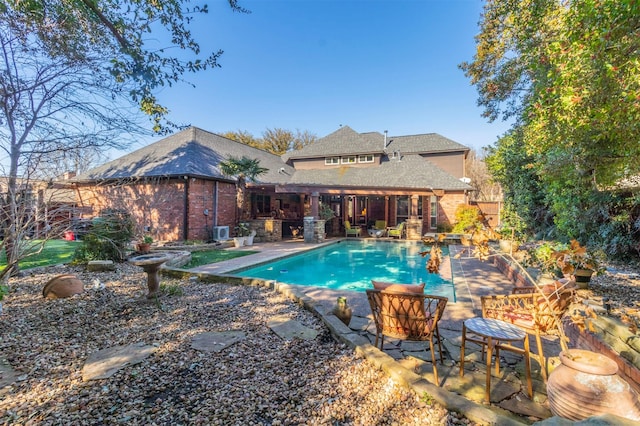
[151, 264]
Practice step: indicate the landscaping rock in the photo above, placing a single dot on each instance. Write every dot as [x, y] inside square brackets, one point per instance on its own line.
[100, 265]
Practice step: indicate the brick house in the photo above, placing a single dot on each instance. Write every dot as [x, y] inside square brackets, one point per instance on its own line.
[176, 191]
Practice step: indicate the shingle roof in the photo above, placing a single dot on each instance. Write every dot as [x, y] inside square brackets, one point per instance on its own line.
[428, 142]
[195, 152]
[192, 152]
[412, 171]
[346, 141]
[343, 141]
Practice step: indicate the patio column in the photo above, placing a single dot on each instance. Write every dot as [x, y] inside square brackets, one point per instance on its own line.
[414, 206]
[386, 209]
[315, 200]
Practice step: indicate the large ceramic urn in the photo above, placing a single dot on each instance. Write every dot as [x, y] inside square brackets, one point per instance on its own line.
[62, 286]
[586, 385]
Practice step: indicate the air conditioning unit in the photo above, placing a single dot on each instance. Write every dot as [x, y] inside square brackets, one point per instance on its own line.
[220, 233]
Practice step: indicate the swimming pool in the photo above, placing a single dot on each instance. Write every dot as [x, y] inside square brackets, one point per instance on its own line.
[352, 264]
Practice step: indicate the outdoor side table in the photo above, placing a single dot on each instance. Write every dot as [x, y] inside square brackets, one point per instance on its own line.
[499, 335]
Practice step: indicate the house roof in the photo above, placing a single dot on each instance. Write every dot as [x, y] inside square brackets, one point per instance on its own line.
[196, 152]
[346, 141]
[191, 152]
[411, 171]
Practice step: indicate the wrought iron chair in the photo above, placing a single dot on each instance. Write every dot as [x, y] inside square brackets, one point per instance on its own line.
[537, 313]
[408, 316]
[348, 230]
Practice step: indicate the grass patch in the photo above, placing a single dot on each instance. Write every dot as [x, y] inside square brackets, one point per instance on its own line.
[171, 289]
[205, 257]
[54, 252]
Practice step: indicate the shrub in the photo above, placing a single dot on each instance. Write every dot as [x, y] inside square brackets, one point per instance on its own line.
[107, 238]
[467, 217]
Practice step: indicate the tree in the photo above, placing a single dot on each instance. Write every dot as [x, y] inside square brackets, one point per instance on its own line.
[276, 141]
[121, 34]
[524, 196]
[63, 92]
[49, 108]
[244, 137]
[242, 169]
[485, 188]
[280, 141]
[569, 73]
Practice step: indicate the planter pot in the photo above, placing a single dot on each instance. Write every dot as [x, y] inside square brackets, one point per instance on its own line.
[342, 311]
[239, 241]
[249, 239]
[143, 247]
[62, 286]
[586, 385]
[582, 276]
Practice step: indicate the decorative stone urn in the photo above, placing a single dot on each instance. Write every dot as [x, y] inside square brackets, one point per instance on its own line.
[62, 286]
[586, 385]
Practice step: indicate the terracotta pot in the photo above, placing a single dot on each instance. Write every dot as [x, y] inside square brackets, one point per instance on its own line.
[586, 385]
[342, 311]
[582, 277]
[143, 247]
[62, 286]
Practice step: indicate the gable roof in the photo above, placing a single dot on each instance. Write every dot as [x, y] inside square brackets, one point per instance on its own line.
[346, 141]
[190, 152]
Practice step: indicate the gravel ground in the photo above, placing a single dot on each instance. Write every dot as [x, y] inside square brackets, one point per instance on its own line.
[620, 287]
[261, 380]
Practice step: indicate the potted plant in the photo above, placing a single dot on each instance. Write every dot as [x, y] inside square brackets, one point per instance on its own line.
[249, 238]
[326, 213]
[144, 246]
[579, 262]
[544, 257]
[241, 230]
[510, 232]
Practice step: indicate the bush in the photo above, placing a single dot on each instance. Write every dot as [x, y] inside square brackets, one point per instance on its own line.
[467, 217]
[443, 228]
[107, 238]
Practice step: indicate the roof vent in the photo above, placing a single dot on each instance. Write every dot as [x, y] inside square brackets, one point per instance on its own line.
[384, 145]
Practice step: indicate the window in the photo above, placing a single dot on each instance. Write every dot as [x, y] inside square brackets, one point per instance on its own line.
[331, 160]
[262, 204]
[349, 160]
[365, 158]
[403, 208]
[433, 209]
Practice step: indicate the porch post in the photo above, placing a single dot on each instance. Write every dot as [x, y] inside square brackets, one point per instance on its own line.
[414, 206]
[315, 200]
[386, 209]
[414, 225]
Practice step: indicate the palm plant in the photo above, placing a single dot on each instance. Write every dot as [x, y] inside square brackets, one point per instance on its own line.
[242, 169]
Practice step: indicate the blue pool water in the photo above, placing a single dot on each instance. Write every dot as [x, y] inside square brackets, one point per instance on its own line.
[351, 265]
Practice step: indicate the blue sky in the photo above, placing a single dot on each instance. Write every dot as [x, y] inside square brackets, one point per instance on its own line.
[315, 65]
